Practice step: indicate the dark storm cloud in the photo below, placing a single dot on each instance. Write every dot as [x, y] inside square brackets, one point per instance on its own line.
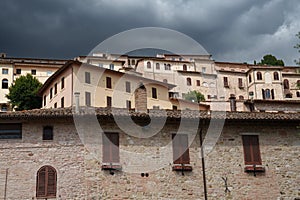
[235, 30]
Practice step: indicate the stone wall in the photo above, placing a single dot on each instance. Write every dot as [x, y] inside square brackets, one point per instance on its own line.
[79, 166]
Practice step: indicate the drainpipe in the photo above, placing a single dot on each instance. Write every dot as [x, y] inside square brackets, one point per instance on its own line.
[5, 187]
[203, 164]
[76, 94]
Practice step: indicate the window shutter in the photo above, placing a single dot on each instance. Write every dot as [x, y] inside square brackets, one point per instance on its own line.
[180, 149]
[51, 186]
[111, 148]
[251, 150]
[41, 183]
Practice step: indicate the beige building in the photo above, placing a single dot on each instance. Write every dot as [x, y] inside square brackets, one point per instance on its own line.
[101, 87]
[12, 68]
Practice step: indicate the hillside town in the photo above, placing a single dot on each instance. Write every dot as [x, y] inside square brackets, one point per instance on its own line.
[121, 127]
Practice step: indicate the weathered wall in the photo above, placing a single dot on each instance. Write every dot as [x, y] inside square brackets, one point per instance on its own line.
[80, 175]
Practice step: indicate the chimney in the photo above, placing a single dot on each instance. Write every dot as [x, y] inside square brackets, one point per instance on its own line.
[77, 94]
[232, 100]
[140, 96]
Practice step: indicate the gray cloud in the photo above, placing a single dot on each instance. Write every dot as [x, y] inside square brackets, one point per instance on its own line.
[236, 30]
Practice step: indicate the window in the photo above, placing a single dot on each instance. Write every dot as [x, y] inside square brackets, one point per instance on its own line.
[62, 102]
[251, 150]
[203, 69]
[167, 67]
[184, 67]
[108, 82]
[4, 83]
[225, 81]
[180, 149]
[55, 88]
[48, 133]
[188, 81]
[111, 66]
[133, 62]
[100, 65]
[157, 66]
[33, 72]
[62, 83]
[111, 148]
[148, 65]
[268, 94]
[4, 71]
[55, 105]
[298, 94]
[165, 81]
[108, 101]
[51, 90]
[276, 76]
[241, 97]
[272, 94]
[250, 78]
[198, 82]
[18, 71]
[128, 88]
[240, 83]
[87, 98]
[286, 84]
[4, 108]
[45, 97]
[46, 182]
[258, 76]
[154, 93]
[49, 73]
[11, 131]
[87, 77]
[128, 104]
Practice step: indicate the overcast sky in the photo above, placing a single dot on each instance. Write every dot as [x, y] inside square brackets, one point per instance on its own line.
[230, 30]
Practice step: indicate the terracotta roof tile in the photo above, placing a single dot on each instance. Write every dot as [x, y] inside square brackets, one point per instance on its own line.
[172, 114]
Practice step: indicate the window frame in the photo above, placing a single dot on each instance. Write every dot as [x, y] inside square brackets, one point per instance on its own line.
[10, 131]
[108, 101]
[276, 76]
[154, 93]
[48, 136]
[62, 83]
[188, 81]
[128, 87]
[87, 77]
[5, 70]
[33, 71]
[43, 185]
[108, 82]
[225, 81]
[88, 101]
[259, 76]
[180, 147]
[4, 83]
[111, 148]
[255, 157]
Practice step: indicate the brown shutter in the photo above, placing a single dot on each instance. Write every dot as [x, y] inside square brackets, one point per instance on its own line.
[180, 149]
[41, 183]
[240, 82]
[51, 186]
[251, 150]
[111, 148]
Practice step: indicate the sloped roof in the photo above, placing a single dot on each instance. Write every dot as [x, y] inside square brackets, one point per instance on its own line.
[172, 114]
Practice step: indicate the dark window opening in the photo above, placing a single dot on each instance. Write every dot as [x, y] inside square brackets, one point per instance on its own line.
[188, 81]
[250, 78]
[33, 72]
[18, 71]
[45, 97]
[184, 67]
[225, 81]
[62, 102]
[48, 133]
[276, 76]
[51, 93]
[108, 82]
[11, 131]
[154, 93]
[198, 82]
[286, 84]
[128, 104]
[240, 83]
[87, 98]
[62, 82]
[108, 102]
[55, 88]
[127, 84]
[4, 83]
[148, 65]
[157, 66]
[258, 76]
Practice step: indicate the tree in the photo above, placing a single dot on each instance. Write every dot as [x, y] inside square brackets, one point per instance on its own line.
[271, 60]
[194, 96]
[297, 46]
[23, 93]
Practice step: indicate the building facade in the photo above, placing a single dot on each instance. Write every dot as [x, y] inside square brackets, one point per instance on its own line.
[256, 156]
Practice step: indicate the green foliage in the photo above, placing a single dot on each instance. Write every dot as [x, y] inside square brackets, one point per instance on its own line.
[194, 96]
[271, 60]
[23, 93]
[297, 46]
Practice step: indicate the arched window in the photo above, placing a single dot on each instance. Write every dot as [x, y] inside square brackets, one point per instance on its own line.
[263, 93]
[268, 94]
[241, 97]
[188, 81]
[165, 81]
[4, 83]
[272, 94]
[184, 67]
[276, 76]
[157, 66]
[167, 67]
[46, 182]
[298, 94]
[286, 84]
[148, 65]
[258, 76]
